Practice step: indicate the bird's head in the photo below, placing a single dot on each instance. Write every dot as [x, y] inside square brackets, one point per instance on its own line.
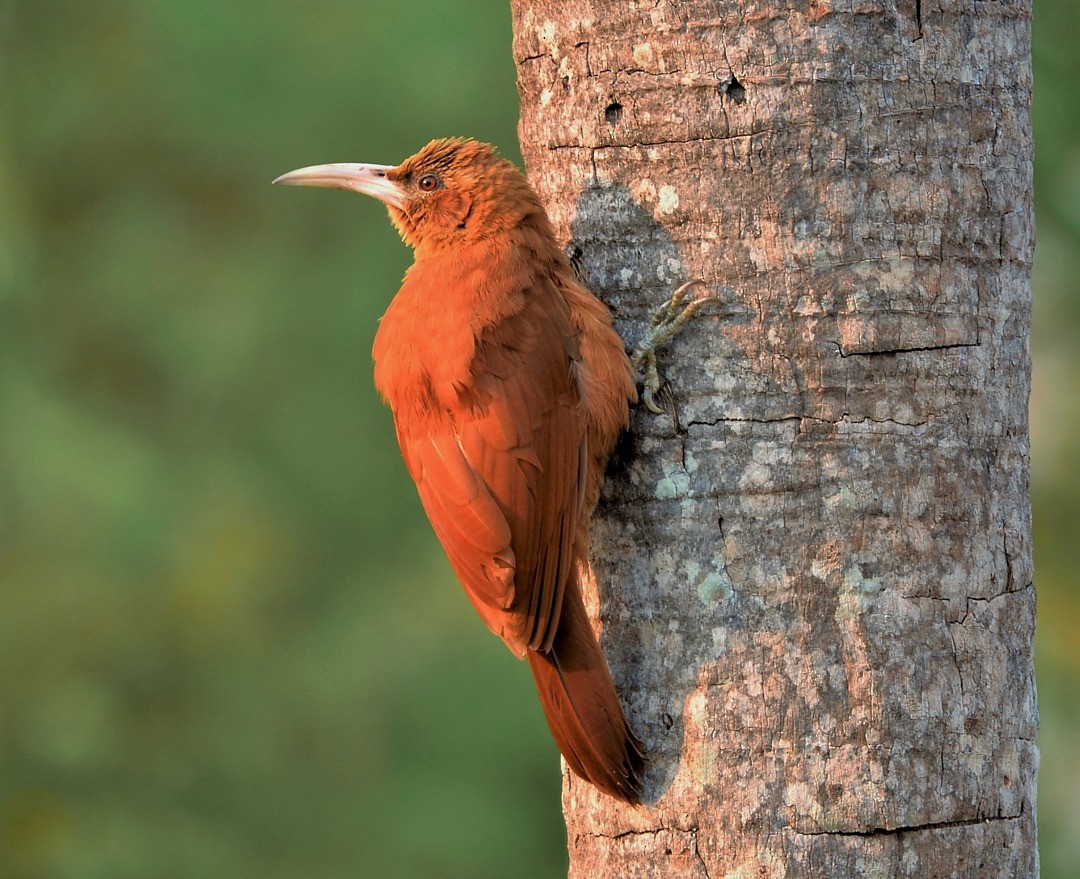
[454, 191]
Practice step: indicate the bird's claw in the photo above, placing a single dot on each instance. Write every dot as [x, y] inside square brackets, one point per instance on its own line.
[666, 321]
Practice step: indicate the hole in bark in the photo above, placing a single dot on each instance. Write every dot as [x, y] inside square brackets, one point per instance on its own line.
[733, 89]
[667, 720]
[613, 112]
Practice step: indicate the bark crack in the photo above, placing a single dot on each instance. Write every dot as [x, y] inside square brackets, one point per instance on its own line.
[916, 596]
[1009, 587]
[930, 826]
[691, 832]
[585, 44]
[698, 855]
[845, 418]
[622, 834]
[913, 349]
[666, 142]
[713, 422]
[959, 671]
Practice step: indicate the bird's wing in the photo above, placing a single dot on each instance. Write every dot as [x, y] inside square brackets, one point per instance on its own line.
[501, 477]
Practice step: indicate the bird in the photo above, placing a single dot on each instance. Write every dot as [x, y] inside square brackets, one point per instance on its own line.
[509, 387]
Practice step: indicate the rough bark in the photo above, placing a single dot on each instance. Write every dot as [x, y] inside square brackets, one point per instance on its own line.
[815, 580]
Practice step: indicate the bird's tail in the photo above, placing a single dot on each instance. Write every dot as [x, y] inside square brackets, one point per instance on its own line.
[582, 706]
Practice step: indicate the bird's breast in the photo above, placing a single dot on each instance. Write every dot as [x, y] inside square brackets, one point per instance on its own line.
[426, 345]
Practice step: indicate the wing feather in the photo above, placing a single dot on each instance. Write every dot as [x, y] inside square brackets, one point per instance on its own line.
[499, 474]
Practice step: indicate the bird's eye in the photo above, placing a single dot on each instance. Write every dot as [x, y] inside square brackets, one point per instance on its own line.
[428, 183]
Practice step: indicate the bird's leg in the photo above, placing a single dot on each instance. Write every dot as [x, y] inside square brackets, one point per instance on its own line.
[666, 321]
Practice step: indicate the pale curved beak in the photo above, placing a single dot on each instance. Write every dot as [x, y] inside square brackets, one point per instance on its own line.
[368, 179]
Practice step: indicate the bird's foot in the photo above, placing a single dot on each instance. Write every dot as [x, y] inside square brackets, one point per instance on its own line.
[666, 322]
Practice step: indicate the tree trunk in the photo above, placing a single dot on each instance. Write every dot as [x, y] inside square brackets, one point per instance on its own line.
[814, 581]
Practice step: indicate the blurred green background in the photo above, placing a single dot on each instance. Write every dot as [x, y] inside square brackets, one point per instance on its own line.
[229, 645]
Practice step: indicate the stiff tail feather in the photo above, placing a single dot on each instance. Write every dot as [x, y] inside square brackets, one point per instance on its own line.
[582, 706]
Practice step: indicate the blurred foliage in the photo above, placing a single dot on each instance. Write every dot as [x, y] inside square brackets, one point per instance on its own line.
[1055, 418]
[229, 643]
